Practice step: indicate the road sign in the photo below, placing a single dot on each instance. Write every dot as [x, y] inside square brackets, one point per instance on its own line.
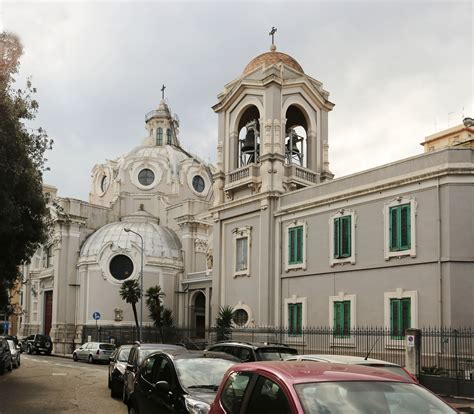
[96, 316]
[410, 341]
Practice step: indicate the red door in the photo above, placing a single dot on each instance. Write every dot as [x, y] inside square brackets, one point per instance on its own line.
[48, 311]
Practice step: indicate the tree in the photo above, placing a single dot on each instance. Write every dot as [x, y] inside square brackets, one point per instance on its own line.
[23, 208]
[224, 322]
[131, 293]
[155, 308]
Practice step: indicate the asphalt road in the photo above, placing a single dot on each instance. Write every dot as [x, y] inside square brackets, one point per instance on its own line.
[48, 384]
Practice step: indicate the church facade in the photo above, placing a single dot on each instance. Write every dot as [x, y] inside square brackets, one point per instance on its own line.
[267, 230]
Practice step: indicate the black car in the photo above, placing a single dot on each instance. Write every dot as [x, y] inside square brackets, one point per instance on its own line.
[135, 358]
[117, 366]
[5, 356]
[179, 382]
[254, 351]
[35, 344]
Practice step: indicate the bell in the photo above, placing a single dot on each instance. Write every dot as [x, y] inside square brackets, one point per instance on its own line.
[248, 145]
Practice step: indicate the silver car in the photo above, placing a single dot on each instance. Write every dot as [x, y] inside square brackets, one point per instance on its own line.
[94, 352]
[15, 351]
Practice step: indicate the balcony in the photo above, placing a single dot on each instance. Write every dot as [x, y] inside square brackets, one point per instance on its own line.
[299, 177]
[246, 176]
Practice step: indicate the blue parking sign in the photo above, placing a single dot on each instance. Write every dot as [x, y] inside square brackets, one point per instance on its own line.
[96, 315]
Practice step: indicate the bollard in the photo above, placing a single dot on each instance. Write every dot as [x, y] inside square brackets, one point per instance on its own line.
[413, 351]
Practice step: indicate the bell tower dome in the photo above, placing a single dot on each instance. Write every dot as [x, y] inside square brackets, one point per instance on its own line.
[273, 130]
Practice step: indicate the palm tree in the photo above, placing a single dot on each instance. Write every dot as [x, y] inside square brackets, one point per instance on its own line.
[131, 293]
[224, 322]
[153, 302]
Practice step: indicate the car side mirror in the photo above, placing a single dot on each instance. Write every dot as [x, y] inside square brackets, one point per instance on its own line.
[111, 359]
[162, 387]
[130, 367]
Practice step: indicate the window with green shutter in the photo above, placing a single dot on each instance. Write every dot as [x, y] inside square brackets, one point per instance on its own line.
[295, 245]
[342, 237]
[342, 318]
[399, 228]
[295, 318]
[400, 317]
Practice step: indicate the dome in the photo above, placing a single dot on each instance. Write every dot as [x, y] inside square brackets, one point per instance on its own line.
[272, 58]
[159, 241]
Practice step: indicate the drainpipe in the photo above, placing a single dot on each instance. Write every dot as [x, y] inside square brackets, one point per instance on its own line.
[440, 275]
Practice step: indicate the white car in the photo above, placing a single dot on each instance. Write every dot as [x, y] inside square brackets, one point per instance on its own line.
[94, 352]
[15, 351]
[356, 360]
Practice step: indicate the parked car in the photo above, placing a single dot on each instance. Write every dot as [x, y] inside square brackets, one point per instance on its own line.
[282, 387]
[15, 352]
[117, 366]
[5, 356]
[179, 381]
[35, 344]
[94, 352]
[137, 355]
[254, 351]
[356, 360]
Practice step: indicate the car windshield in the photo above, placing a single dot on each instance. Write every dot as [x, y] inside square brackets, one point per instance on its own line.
[275, 354]
[353, 397]
[123, 355]
[107, 347]
[202, 372]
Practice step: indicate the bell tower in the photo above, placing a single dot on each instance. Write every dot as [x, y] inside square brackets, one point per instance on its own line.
[273, 130]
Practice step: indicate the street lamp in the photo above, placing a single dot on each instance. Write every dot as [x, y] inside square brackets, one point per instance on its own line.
[128, 230]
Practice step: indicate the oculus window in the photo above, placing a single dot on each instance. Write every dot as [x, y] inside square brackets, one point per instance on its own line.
[198, 183]
[121, 267]
[241, 317]
[104, 183]
[146, 177]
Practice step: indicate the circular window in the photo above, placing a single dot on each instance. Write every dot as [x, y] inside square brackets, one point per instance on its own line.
[198, 183]
[121, 267]
[104, 183]
[146, 176]
[241, 317]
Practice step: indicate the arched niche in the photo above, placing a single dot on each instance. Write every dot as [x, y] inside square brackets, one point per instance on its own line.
[296, 136]
[248, 142]
[198, 314]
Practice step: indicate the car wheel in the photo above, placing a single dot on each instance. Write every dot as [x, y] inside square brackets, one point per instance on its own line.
[114, 390]
[109, 384]
[11, 366]
[2, 368]
[124, 395]
[28, 350]
[74, 356]
[47, 353]
[90, 359]
[18, 363]
[132, 409]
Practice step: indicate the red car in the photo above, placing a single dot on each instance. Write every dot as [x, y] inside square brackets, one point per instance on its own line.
[284, 387]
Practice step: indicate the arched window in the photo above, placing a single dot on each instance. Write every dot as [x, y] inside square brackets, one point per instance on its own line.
[159, 137]
[249, 137]
[168, 136]
[296, 143]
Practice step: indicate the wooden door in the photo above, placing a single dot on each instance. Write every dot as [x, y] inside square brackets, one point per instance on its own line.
[48, 311]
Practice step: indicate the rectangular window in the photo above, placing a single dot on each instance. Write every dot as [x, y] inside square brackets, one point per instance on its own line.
[168, 136]
[295, 245]
[342, 318]
[400, 228]
[295, 318]
[342, 237]
[400, 317]
[241, 254]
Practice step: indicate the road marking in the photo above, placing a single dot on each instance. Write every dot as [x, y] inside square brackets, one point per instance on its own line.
[58, 373]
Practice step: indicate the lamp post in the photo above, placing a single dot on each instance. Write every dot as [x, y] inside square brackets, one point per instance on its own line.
[128, 230]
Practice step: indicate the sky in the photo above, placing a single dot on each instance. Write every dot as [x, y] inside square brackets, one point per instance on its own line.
[397, 71]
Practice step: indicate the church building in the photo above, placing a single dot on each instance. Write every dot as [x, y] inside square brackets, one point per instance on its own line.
[268, 230]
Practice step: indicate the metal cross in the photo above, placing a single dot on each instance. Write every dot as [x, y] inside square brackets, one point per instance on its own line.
[163, 92]
[272, 34]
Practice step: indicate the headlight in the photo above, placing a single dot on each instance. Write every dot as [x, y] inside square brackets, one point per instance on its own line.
[196, 406]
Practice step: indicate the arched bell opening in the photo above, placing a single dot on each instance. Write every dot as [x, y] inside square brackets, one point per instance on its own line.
[249, 137]
[198, 314]
[296, 137]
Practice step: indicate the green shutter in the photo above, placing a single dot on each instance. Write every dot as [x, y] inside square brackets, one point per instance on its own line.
[295, 318]
[290, 318]
[299, 244]
[299, 318]
[394, 317]
[405, 232]
[337, 317]
[346, 317]
[291, 256]
[336, 238]
[405, 315]
[393, 228]
[345, 239]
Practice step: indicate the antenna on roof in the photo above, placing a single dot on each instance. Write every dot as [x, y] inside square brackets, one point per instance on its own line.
[368, 353]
